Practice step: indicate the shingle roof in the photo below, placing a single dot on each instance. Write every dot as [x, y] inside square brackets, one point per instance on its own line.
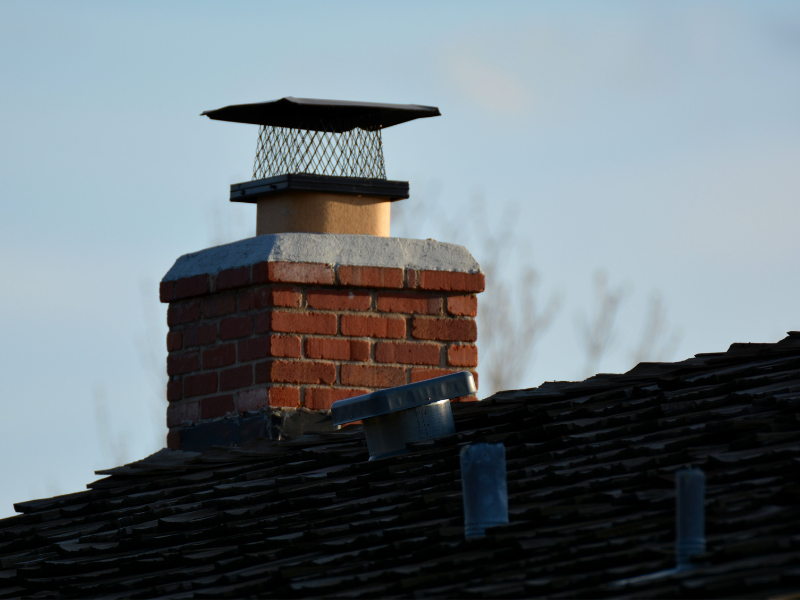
[591, 501]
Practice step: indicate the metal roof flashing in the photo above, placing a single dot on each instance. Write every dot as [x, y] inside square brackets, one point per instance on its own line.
[408, 413]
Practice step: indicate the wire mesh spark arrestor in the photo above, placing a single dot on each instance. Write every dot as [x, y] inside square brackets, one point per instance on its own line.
[408, 413]
[319, 164]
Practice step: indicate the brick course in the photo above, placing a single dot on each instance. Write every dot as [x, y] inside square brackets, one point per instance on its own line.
[462, 355]
[462, 306]
[290, 335]
[338, 299]
[337, 349]
[233, 278]
[220, 356]
[284, 371]
[409, 354]
[200, 335]
[217, 406]
[322, 398]
[370, 277]
[376, 327]
[451, 330]
[304, 322]
[373, 376]
[235, 327]
[411, 303]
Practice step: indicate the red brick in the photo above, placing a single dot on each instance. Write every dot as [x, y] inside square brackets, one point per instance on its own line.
[186, 362]
[462, 355]
[377, 327]
[200, 335]
[183, 312]
[287, 297]
[255, 348]
[233, 278]
[178, 413]
[254, 299]
[264, 322]
[304, 322]
[166, 291]
[199, 385]
[337, 349]
[339, 299]
[220, 356]
[174, 389]
[191, 286]
[372, 277]
[174, 439]
[216, 406]
[219, 306]
[463, 306]
[372, 376]
[252, 400]
[237, 377]
[409, 303]
[451, 330]
[322, 398]
[446, 281]
[421, 374]
[293, 272]
[412, 277]
[174, 341]
[235, 327]
[464, 399]
[283, 371]
[287, 346]
[287, 397]
[407, 353]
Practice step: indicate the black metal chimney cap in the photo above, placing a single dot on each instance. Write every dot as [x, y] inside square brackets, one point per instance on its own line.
[322, 115]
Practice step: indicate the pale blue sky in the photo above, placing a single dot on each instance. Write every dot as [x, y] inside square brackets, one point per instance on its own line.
[658, 141]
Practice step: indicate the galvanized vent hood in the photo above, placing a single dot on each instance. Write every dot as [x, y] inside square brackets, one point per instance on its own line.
[407, 413]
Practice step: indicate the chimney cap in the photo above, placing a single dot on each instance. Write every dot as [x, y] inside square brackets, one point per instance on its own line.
[322, 115]
[411, 395]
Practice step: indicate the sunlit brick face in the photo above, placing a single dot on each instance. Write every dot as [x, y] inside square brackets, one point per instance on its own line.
[293, 334]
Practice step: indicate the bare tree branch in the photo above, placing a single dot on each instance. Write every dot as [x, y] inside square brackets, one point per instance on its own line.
[511, 318]
[599, 333]
[657, 343]
[114, 443]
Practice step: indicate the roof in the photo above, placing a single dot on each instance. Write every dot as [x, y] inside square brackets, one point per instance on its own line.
[591, 500]
[322, 115]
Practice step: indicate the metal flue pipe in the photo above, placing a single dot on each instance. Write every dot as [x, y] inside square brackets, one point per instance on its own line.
[690, 524]
[483, 482]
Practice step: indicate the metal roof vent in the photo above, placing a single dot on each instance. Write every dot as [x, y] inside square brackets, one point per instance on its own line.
[690, 506]
[323, 149]
[484, 487]
[690, 525]
[408, 413]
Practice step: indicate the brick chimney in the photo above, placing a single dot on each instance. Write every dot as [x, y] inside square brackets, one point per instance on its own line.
[266, 333]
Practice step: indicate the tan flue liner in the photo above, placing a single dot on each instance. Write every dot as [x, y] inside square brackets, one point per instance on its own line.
[315, 212]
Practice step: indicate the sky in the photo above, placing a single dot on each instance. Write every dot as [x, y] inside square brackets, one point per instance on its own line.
[655, 142]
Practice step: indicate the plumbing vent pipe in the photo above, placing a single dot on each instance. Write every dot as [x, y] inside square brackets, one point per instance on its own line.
[408, 413]
[483, 483]
[690, 527]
